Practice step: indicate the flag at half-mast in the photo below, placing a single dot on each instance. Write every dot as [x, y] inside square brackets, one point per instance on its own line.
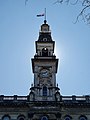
[40, 15]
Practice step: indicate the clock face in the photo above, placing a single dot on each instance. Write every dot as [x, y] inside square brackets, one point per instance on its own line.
[45, 76]
[44, 73]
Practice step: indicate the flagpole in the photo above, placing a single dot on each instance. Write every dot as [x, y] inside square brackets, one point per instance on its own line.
[45, 17]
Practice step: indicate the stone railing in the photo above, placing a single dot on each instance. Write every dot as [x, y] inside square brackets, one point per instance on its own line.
[13, 98]
[62, 98]
[75, 98]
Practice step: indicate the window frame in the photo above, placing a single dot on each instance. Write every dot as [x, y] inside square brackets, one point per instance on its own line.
[21, 117]
[6, 116]
[82, 117]
[44, 118]
[67, 117]
[44, 91]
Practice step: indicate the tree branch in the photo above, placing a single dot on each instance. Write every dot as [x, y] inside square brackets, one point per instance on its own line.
[85, 13]
[85, 16]
[26, 2]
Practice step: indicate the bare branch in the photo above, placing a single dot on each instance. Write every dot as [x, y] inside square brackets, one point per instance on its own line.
[67, 1]
[75, 2]
[85, 2]
[58, 1]
[85, 17]
[85, 13]
[26, 2]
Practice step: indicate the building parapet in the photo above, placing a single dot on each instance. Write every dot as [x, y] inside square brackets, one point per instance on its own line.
[13, 98]
[62, 98]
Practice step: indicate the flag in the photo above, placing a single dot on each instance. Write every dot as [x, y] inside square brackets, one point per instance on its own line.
[40, 15]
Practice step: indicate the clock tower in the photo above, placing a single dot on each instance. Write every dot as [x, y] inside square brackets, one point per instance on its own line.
[44, 101]
[44, 66]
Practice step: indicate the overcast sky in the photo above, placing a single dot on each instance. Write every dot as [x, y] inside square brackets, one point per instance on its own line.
[19, 29]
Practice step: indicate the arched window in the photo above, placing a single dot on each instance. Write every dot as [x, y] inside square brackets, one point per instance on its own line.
[45, 52]
[6, 117]
[21, 117]
[44, 91]
[83, 118]
[67, 117]
[44, 118]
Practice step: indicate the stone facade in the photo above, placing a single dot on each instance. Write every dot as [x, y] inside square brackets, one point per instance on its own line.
[68, 108]
[44, 102]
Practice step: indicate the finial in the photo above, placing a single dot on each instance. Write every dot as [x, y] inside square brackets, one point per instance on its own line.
[45, 21]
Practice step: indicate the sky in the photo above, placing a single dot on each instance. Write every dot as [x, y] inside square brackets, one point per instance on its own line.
[19, 29]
